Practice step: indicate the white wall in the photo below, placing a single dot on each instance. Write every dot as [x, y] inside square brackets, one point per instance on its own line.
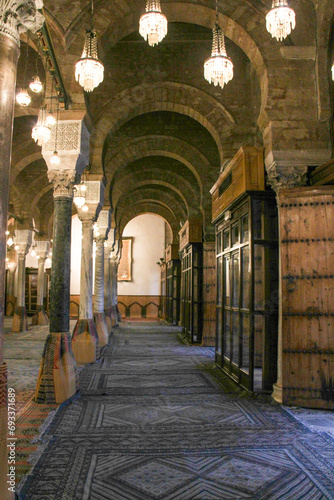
[148, 231]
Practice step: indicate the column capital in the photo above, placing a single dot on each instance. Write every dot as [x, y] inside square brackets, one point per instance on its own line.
[62, 182]
[286, 176]
[94, 198]
[42, 249]
[72, 145]
[22, 241]
[17, 16]
[102, 225]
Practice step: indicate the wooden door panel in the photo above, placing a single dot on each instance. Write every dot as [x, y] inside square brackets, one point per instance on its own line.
[307, 267]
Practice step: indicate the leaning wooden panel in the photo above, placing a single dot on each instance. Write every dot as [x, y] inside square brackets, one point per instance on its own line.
[307, 272]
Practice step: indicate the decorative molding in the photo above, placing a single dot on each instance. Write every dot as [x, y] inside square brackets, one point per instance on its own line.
[62, 182]
[72, 146]
[286, 177]
[17, 16]
[22, 240]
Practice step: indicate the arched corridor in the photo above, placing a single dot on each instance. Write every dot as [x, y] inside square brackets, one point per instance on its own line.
[156, 419]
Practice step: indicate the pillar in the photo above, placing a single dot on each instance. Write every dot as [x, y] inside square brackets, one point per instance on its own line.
[283, 177]
[109, 243]
[11, 297]
[114, 263]
[22, 242]
[101, 233]
[42, 249]
[12, 14]
[58, 378]
[85, 340]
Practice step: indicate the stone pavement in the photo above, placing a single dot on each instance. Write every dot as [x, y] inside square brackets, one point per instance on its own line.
[155, 419]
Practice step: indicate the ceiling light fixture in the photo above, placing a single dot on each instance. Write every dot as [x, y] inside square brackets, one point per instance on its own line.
[23, 98]
[281, 19]
[80, 195]
[153, 24]
[218, 69]
[41, 132]
[89, 70]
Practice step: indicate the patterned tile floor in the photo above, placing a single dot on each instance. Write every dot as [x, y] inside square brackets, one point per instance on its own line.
[156, 419]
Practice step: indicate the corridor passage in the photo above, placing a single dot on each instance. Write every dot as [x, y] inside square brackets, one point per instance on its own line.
[155, 419]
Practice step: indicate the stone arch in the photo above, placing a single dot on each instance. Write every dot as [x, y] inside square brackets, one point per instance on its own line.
[149, 207]
[171, 147]
[160, 96]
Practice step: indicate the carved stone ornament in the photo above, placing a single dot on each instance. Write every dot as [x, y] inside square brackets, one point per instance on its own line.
[63, 182]
[286, 177]
[17, 16]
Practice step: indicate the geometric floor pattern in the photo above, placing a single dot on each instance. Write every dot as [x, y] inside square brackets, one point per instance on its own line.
[156, 420]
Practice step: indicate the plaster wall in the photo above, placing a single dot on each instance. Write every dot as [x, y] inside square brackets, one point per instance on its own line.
[148, 231]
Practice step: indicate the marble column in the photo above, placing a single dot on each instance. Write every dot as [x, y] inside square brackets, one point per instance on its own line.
[113, 280]
[85, 339]
[42, 250]
[107, 278]
[57, 379]
[283, 177]
[101, 234]
[11, 297]
[114, 263]
[13, 15]
[22, 242]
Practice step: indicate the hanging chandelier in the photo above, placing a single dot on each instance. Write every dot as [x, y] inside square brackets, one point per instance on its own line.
[36, 84]
[23, 98]
[153, 24]
[89, 69]
[281, 19]
[80, 195]
[218, 69]
[41, 132]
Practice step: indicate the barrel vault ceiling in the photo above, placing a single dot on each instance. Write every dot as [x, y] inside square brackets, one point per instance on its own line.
[160, 133]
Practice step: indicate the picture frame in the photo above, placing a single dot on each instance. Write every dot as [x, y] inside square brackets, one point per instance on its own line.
[125, 265]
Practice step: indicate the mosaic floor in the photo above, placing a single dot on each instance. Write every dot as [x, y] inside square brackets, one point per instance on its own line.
[156, 420]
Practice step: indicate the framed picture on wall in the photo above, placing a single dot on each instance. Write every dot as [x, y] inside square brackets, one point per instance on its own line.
[125, 265]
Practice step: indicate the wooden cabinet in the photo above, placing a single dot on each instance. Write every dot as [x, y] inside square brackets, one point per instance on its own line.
[163, 291]
[31, 290]
[191, 291]
[247, 290]
[173, 291]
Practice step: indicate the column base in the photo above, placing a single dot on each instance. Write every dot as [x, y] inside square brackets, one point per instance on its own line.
[58, 377]
[40, 317]
[277, 393]
[20, 320]
[85, 341]
[107, 313]
[10, 305]
[4, 492]
[102, 328]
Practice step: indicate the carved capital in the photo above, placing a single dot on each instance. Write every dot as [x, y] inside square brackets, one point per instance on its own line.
[22, 241]
[17, 16]
[42, 249]
[63, 182]
[286, 176]
[99, 240]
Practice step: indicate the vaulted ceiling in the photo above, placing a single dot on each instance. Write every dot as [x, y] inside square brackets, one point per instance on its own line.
[160, 132]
